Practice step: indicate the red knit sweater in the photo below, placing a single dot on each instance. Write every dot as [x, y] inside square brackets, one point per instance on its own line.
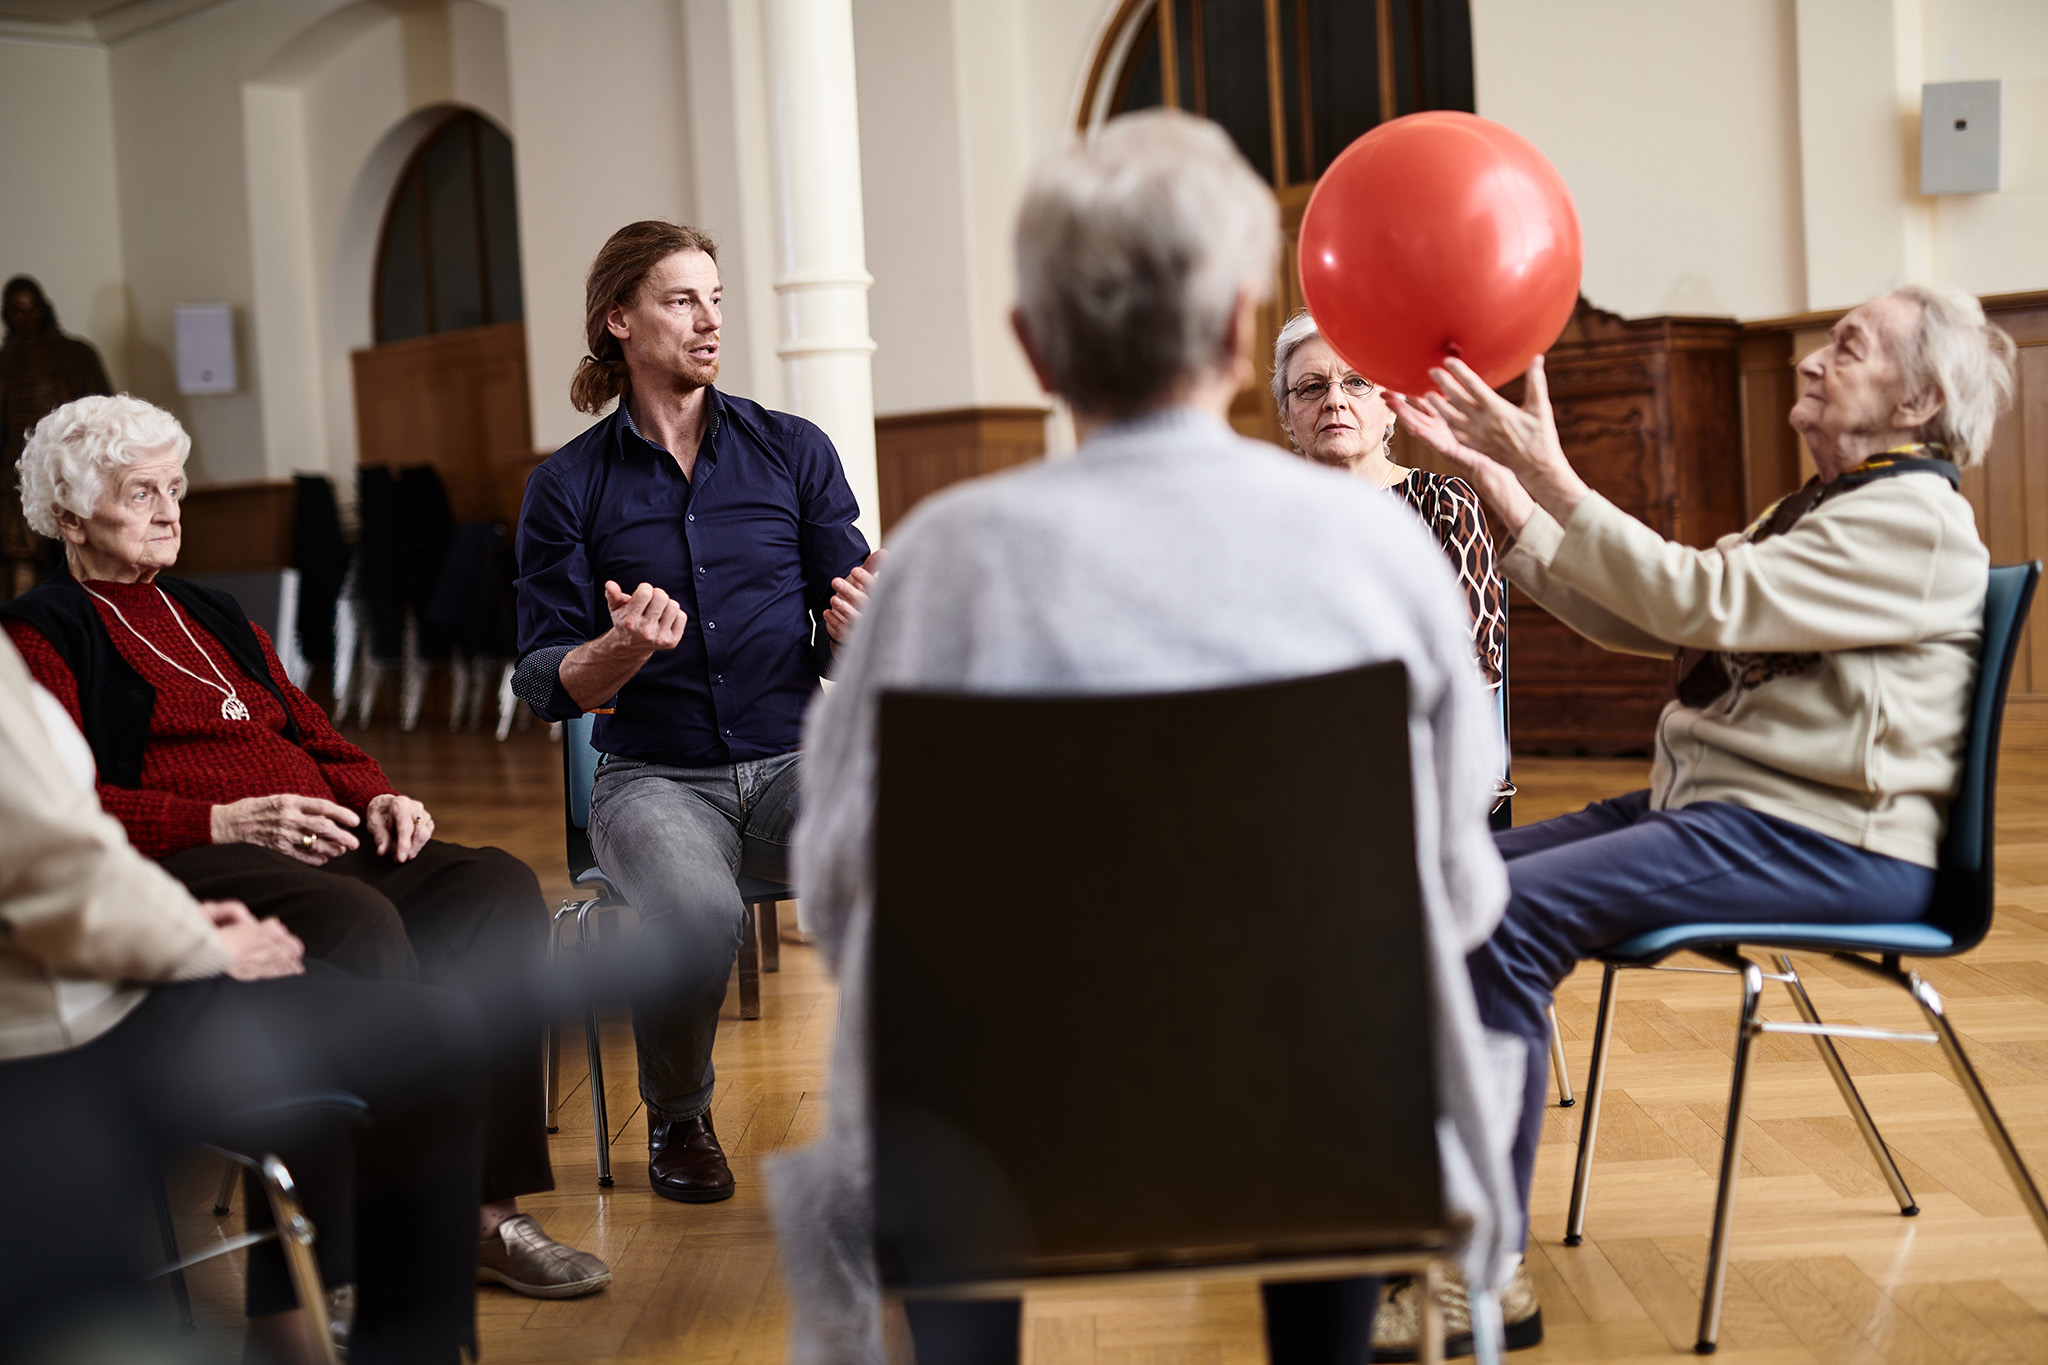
[196, 758]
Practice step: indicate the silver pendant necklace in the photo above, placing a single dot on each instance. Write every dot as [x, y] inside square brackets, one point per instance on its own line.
[232, 707]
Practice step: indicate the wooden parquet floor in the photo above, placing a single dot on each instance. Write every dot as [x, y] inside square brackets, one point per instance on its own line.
[1824, 1268]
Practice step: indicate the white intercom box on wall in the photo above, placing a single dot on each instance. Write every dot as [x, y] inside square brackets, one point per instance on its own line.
[206, 348]
[1959, 137]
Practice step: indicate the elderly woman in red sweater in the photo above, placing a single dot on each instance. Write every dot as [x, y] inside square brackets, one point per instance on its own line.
[231, 776]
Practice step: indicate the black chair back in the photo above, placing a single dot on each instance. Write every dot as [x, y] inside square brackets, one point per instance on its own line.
[1149, 981]
[1965, 899]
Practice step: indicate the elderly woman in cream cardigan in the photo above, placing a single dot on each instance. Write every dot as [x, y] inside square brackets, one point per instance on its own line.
[1826, 658]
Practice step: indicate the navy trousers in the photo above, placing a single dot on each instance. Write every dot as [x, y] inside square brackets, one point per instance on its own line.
[1580, 883]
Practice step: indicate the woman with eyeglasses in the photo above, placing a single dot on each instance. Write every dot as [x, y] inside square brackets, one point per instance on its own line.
[1337, 417]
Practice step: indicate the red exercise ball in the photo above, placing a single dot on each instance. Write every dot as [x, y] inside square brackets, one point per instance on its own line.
[1440, 234]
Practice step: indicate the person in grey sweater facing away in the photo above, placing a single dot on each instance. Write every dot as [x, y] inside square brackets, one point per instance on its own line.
[1168, 553]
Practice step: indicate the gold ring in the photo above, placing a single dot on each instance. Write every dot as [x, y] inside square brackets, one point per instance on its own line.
[419, 819]
[307, 841]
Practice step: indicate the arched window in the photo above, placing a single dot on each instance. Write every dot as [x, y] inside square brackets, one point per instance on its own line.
[449, 256]
[1294, 81]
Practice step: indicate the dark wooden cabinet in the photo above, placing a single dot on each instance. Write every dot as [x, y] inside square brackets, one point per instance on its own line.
[1650, 413]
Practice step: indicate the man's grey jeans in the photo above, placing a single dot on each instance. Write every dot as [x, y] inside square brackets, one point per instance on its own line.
[673, 840]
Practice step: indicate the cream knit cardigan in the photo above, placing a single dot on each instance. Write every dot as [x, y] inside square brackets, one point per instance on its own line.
[1869, 610]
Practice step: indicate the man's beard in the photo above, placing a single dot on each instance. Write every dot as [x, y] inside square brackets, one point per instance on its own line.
[696, 374]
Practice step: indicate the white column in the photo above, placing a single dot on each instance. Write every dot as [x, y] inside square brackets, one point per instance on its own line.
[821, 277]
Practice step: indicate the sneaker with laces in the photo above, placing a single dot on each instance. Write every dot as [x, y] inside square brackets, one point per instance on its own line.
[1397, 1329]
[522, 1257]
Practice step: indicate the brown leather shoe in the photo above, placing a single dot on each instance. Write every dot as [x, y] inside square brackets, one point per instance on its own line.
[685, 1162]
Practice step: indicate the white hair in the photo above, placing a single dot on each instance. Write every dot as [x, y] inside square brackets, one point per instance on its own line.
[1970, 360]
[1132, 250]
[1300, 328]
[71, 452]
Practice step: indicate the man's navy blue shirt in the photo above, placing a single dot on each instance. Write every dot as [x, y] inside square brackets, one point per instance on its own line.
[748, 545]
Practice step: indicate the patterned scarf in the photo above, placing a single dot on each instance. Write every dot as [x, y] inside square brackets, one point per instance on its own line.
[1704, 676]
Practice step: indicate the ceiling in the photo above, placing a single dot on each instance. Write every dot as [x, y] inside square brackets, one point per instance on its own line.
[58, 11]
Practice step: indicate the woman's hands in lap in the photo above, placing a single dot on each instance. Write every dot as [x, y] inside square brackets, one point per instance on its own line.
[399, 825]
[305, 827]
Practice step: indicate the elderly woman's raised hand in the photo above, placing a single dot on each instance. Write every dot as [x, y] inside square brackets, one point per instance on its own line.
[1502, 491]
[304, 827]
[399, 825]
[1523, 440]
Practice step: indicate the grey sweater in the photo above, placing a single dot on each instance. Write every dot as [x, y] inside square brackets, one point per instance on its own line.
[1169, 553]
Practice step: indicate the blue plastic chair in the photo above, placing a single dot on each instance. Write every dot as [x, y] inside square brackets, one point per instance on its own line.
[1957, 920]
[760, 940]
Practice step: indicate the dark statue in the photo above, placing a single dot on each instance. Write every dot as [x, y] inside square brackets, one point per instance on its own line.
[41, 369]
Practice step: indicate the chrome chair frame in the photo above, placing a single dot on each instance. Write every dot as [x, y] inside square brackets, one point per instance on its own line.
[290, 1228]
[1959, 919]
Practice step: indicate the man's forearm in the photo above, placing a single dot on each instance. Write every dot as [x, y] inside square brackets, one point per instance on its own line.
[593, 673]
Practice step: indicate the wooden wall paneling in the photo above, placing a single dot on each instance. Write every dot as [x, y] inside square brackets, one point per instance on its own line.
[1770, 455]
[458, 401]
[1650, 414]
[918, 453]
[236, 528]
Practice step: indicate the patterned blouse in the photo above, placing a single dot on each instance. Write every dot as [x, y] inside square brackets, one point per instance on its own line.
[1451, 509]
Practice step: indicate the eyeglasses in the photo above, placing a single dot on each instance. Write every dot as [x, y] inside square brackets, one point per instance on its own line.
[1314, 391]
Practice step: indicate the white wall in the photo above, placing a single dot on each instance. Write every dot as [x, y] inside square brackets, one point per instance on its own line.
[600, 109]
[1996, 243]
[178, 141]
[958, 99]
[1676, 126]
[328, 127]
[59, 212]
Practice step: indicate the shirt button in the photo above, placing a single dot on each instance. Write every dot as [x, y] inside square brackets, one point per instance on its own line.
[711, 625]
[701, 570]
[719, 679]
[689, 516]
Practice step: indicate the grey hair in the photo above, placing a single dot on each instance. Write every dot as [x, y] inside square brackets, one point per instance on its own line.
[65, 464]
[1968, 359]
[1132, 249]
[1300, 328]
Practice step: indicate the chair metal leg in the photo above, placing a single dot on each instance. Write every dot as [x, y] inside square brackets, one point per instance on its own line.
[592, 1042]
[1432, 1343]
[168, 1231]
[1589, 1124]
[766, 915]
[1564, 1077]
[1731, 1155]
[1865, 1125]
[1929, 1000]
[224, 1202]
[551, 1042]
[750, 967]
[295, 1234]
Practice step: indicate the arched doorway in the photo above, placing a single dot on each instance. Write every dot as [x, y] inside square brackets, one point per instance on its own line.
[445, 383]
[1293, 82]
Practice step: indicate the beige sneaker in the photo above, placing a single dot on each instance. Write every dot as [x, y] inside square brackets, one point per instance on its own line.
[1397, 1330]
[523, 1258]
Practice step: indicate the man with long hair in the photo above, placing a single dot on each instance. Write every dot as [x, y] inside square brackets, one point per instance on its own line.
[686, 566]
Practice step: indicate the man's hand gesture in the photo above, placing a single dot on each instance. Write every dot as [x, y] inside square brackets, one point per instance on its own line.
[849, 596]
[646, 622]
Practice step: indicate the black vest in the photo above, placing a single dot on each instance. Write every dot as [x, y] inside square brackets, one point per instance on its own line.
[115, 703]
